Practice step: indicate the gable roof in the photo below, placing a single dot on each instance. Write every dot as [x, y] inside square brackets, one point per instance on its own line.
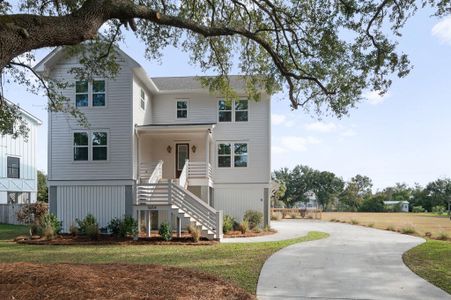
[29, 115]
[192, 83]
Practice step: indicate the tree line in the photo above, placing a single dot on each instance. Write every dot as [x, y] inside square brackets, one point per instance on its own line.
[293, 186]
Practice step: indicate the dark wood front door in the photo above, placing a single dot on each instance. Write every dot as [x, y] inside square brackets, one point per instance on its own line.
[181, 154]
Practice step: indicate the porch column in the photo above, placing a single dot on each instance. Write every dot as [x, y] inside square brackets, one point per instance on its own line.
[148, 221]
[179, 227]
[207, 151]
[138, 217]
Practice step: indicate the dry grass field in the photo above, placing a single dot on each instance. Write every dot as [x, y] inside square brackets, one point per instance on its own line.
[421, 223]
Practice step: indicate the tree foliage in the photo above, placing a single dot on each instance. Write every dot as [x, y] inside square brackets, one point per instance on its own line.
[323, 53]
[42, 187]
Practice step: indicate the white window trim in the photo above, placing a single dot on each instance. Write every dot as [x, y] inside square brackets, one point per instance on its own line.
[90, 94]
[187, 109]
[232, 111]
[240, 110]
[90, 146]
[232, 154]
[142, 100]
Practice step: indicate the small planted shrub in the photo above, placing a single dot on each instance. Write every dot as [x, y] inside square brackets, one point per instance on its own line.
[195, 232]
[428, 234]
[87, 222]
[391, 228]
[257, 230]
[244, 226]
[407, 230]
[123, 227]
[267, 228]
[92, 231]
[418, 209]
[294, 215]
[165, 231]
[73, 229]
[228, 223]
[276, 216]
[371, 225]
[333, 220]
[48, 232]
[354, 222]
[442, 236]
[254, 218]
[50, 220]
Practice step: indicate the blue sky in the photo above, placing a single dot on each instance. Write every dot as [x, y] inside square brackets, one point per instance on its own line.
[403, 137]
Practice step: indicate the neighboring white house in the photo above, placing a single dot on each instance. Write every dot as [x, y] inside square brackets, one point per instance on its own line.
[157, 149]
[18, 173]
[403, 205]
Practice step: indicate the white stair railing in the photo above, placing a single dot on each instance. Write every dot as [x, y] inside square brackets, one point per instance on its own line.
[184, 175]
[199, 169]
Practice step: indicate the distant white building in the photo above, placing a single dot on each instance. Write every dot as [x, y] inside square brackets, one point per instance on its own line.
[404, 205]
[312, 202]
[18, 173]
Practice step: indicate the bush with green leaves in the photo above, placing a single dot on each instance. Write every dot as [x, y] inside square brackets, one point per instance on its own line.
[50, 220]
[195, 232]
[244, 226]
[92, 231]
[372, 204]
[165, 231]
[88, 221]
[228, 223]
[418, 209]
[254, 218]
[439, 210]
[123, 227]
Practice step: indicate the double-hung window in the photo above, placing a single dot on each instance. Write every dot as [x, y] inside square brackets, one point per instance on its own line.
[90, 93]
[232, 155]
[182, 109]
[143, 100]
[233, 111]
[90, 145]
[13, 167]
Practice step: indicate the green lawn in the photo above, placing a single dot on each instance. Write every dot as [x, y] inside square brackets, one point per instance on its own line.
[432, 261]
[238, 263]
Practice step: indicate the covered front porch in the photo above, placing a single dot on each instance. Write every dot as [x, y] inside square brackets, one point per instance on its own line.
[182, 152]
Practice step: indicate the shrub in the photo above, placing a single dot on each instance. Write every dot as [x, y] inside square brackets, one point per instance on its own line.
[195, 232]
[165, 231]
[50, 220]
[123, 227]
[228, 223]
[391, 228]
[244, 226]
[354, 222]
[115, 226]
[333, 220]
[48, 232]
[92, 231]
[371, 225]
[257, 230]
[30, 214]
[276, 216]
[439, 210]
[442, 236]
[87, 222]
[418, 209]
[254, 218]
[73, 229]
[294, 215]
[408, 230]
[372, 205]
[267, 228]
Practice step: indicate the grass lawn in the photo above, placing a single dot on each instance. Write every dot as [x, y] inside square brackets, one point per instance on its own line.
[422, 223]
[237, 263]
[432, 261]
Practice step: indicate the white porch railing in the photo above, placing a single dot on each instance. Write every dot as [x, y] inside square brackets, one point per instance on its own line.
[175, 196]
[199, 169]
[151, 172]
[184, 175]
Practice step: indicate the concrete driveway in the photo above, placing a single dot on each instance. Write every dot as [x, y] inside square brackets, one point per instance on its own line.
[353, 263]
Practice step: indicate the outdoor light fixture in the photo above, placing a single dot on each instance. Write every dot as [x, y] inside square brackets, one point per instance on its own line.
[169, 149]
[194, 148]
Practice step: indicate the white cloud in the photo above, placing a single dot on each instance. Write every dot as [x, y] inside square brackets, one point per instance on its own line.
[277, 119]
[278, 150]
[321, 127]
[442, 31]
[296, 143]
[349, 133]
[374, 98]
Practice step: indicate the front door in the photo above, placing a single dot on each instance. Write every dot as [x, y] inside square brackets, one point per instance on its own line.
[181, 154]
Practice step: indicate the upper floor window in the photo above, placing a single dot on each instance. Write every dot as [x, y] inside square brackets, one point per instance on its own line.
[143, 100]
[97, 141]
[18, 197]
[13, 167]
[232, 154]
[90, 93]
[233, 111]
[182, 109]
[81, 146]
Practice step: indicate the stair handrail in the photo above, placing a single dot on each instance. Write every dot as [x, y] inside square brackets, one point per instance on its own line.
[157, 173]
[183, 182]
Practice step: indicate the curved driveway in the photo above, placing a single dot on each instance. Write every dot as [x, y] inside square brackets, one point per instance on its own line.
[355, 262]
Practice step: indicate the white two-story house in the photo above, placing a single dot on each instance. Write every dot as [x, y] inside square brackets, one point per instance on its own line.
[159, 149]
[18, 173]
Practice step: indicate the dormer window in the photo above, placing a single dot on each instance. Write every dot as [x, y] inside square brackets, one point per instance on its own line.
[90, 93]
[182, 109]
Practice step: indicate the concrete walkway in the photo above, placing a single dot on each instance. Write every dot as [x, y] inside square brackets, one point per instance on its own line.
[353, 263]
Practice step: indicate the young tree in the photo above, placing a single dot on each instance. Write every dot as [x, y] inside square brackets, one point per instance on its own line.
[324, 53]
[42, 187]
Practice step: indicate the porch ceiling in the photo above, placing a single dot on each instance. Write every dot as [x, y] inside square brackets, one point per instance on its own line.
[175, 128]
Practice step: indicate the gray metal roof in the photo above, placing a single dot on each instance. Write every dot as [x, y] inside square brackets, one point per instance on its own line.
[192, 83]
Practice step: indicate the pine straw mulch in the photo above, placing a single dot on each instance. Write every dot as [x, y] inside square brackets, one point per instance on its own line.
[113, 281]
[110, 240]
[238, 234]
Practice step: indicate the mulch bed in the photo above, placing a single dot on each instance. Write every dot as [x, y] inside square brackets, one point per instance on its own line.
[238, 234]
[114, 281]
[110, 240]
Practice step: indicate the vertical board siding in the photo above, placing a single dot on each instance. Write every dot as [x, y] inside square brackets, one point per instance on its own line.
[8, 213]
[234, 200]
[104, 202]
